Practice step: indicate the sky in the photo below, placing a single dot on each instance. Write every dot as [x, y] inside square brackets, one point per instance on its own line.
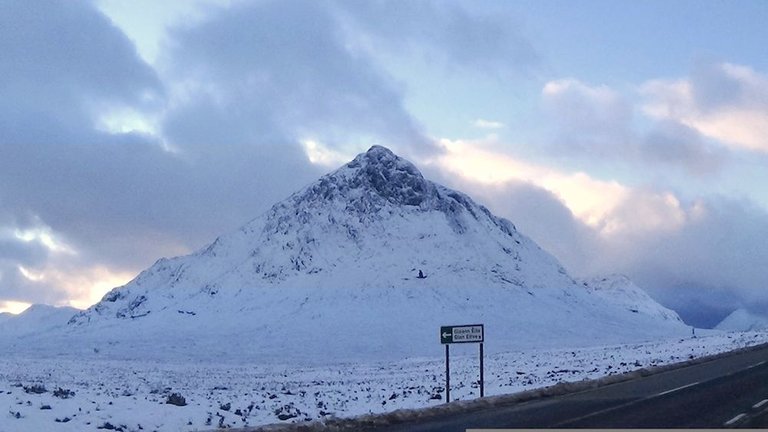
[623, 137]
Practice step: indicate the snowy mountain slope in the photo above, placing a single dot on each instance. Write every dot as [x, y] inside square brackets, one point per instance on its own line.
[332, 273]
[743, 320]
[37, 318]
[621, 291]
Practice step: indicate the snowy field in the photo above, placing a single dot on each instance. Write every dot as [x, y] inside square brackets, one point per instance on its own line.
[71, 395]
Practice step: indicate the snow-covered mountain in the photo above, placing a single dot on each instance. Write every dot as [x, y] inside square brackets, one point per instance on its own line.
[367, 262]
[743, 320]
[621, 291]
[37, 318]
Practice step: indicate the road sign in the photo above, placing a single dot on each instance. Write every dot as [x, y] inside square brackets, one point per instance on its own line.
[461, 334]
[472, 333]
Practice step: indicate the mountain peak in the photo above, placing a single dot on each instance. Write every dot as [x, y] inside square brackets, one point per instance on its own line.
[373, 179]
[379, 182]
[390, 176]
[379, 152]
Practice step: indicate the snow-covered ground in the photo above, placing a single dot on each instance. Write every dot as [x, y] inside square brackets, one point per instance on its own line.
[72, 395]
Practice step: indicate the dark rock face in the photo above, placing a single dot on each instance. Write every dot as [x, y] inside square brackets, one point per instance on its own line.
[376, 179]
[370, 180]
[393, 178]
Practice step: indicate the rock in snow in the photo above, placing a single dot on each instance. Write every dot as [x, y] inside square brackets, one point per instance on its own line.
[332, 273]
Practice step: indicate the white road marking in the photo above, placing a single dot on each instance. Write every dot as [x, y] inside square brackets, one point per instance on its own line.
[633, 402]
[759, 404]
[735, 419]
[624, 405]
[674, 390]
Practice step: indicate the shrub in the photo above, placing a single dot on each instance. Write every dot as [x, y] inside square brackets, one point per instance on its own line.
[176, 399]
[35, 389]
[63, 393]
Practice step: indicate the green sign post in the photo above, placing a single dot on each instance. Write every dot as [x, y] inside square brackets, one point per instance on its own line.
[473, 333]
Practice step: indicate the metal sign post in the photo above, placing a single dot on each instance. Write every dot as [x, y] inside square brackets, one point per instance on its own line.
[473, 333]
[447, 375]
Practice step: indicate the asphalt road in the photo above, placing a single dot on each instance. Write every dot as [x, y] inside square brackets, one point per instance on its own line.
[726, 392]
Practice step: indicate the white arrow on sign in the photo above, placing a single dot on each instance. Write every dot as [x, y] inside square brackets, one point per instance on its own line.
[446, 335]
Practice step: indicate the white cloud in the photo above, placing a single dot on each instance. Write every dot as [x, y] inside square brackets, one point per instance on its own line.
[13, 307]
[590, 120]
[581, 105]
[488, 124]
[320, 154]
[45, 236]
[31, 275]
[598, 122]
[148, 30]
[609, 207]
[87, 285]
[738, 118]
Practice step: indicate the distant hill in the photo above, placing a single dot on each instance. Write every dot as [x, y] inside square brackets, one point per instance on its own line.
[621, 291]
[743, 320]
[37, 318]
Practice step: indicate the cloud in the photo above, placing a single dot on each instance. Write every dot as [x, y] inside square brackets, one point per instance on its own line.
[13, 307]
[488, 124]
[723, 101]
[713, 261]
[63, 64]
[444, 32]
[587, 198]
[579, 105]
[55, 54]
[592, 120]
[701, 257]
[599, 122]
[282, 68]
[608, 208]
[675, 143]
[124, 164]
[120, 200]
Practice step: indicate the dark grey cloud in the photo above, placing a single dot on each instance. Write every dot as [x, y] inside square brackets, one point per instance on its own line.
[492, 44]
[676, 144]
[704, 268]
[698, 303]
[590, 121]
[20, 252]
[259, 78]
[282, 67]
[62, 63]
[61, 59]
[598, 122]
[716, 85]
[120, 200]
